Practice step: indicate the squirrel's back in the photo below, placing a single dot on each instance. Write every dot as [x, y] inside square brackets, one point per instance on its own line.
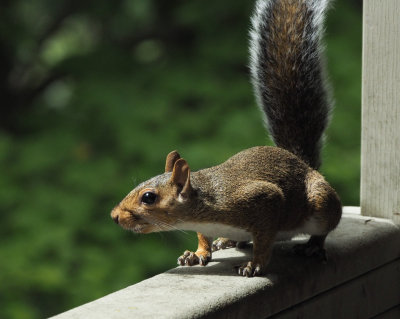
[288, 73]
[267, 163]
[261, 163]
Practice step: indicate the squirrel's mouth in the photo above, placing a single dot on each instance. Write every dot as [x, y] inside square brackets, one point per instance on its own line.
[129, 220]
[143, 228]
[140, 227]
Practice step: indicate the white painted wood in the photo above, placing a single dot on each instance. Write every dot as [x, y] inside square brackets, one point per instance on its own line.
[380, 145]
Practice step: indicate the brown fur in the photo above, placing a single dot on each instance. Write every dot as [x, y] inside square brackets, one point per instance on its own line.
[262, 190]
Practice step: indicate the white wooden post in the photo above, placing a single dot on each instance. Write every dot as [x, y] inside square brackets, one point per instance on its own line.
[380, 141]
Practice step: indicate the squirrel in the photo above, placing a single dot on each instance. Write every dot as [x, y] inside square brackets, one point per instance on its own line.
[265, 191]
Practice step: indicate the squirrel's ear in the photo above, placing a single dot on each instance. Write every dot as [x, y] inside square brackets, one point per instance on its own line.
[172, 157]
[181, 176]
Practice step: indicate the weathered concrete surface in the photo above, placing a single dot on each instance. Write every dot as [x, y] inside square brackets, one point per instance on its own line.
[364, 253]
[362, 297]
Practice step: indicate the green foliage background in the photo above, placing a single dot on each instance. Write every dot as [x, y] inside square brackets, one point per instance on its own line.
[94, 95]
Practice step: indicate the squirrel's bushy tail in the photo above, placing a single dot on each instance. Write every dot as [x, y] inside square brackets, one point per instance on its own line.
[287, 71]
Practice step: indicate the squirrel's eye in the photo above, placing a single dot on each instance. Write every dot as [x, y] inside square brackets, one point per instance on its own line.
[149, 198]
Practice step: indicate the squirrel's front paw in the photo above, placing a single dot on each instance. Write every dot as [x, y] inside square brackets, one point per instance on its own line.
[250, 269]
[190, 258]
[223, 243]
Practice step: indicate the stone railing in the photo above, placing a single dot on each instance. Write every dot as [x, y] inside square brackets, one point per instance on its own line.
[361, 279]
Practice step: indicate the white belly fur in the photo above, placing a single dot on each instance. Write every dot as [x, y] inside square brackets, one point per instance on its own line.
[310, 227]
[217, 230]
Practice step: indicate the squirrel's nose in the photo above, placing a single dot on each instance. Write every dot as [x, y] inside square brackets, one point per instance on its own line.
[115, 214]
[116, 218]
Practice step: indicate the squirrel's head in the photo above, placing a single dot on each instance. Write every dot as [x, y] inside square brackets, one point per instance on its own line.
[159, 203]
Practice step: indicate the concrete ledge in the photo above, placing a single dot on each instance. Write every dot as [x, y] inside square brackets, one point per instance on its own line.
[361, 279]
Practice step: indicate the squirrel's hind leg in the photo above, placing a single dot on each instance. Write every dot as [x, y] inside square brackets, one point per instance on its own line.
[262, 202]
[326, 211]
[262, 249]
[313, 248]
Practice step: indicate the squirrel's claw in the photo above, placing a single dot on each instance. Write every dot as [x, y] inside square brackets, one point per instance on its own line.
[250, 270]
[203, 260]
[190, 259]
